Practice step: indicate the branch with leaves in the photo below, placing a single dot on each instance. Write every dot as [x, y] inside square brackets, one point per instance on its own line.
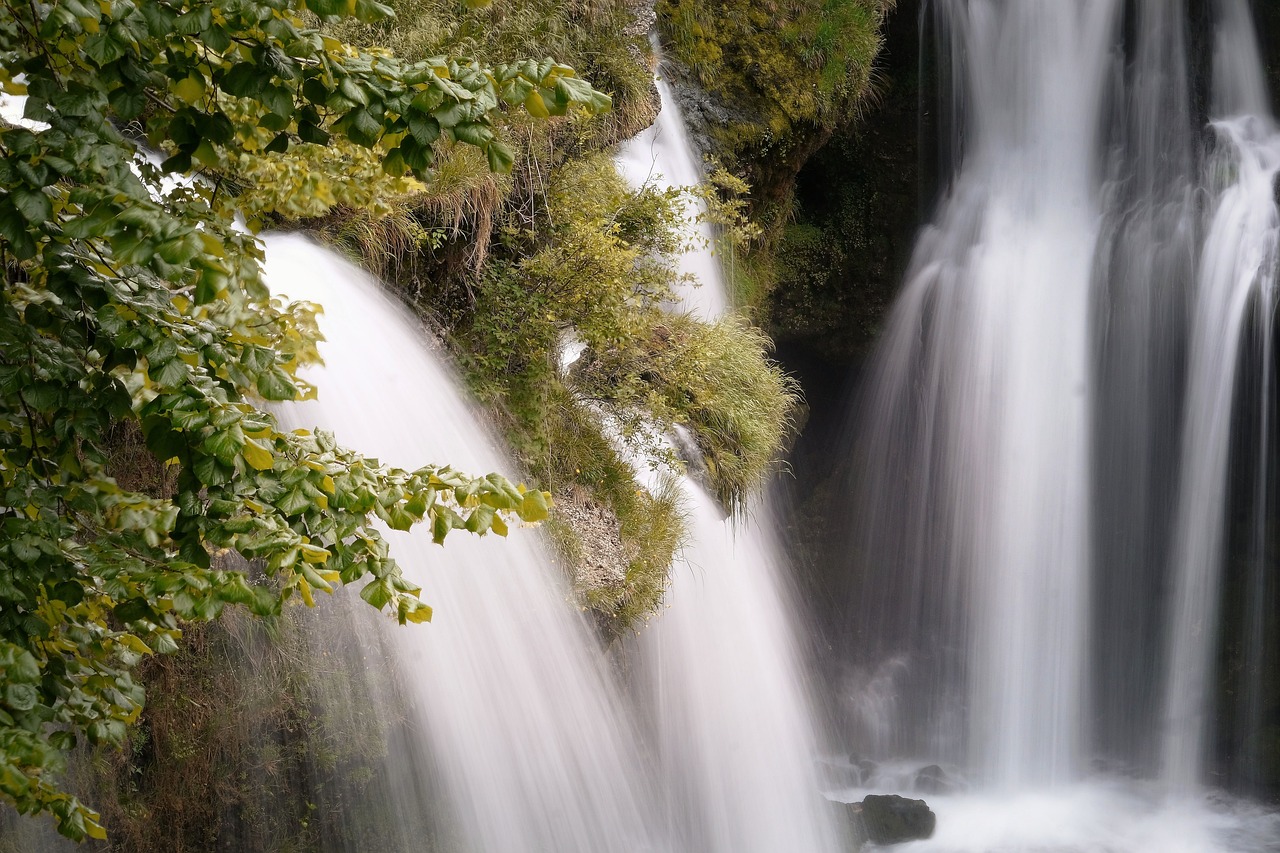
[129, 301]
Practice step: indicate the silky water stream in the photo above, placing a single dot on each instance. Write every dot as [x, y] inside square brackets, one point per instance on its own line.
[520, 725]
[1044, 444]
[721, 680]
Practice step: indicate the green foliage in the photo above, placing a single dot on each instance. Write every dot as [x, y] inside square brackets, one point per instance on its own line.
[125, 305]
[594, 272]
[714, 379]
[600, 274]
[562, 440]
[785, 75]
[596, 37]
[791, 62]
[246, 709]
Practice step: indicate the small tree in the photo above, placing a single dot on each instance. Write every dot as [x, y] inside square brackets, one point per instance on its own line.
[124, 305]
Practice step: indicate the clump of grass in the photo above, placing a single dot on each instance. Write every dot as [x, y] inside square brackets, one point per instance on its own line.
[714, 378]
[557, 435]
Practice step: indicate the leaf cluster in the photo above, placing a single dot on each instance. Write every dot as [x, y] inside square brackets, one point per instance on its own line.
[132, 297]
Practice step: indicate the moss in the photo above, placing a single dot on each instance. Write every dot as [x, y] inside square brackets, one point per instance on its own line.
[793, 62]
[780, 79]
[581, 461]
[833, 270]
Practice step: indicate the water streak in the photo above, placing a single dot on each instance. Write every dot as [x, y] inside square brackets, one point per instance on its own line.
[720, 665]
[509, 694]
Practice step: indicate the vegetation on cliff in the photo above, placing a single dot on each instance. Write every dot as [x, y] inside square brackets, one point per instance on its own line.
[138, 343]
[132, 308]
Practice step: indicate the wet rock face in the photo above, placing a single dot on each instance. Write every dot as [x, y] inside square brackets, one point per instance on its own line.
[1267, 18]
[934, 780]
[891, 819]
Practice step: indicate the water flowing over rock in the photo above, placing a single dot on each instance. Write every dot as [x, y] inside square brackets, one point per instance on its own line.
[1062, 449]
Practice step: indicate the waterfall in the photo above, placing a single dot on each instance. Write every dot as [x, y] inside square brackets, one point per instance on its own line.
[980, 411]
[511, 712]
[661, 156]
[1063, 435]
[719, 667]
[1238, 272]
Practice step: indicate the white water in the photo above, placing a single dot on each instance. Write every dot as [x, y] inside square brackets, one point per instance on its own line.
[720, 664]
[510, 697]
[1000, 291]
[733, 723]
[661, 156]
[1239, 264]
[1047, 437]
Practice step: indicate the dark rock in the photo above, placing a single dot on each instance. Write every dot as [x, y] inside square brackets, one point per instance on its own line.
[934, 780]
[891, 819]
[866, 768]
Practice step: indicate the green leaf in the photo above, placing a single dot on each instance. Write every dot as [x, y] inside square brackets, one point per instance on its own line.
[501, 158]
[244, 80]
[133, 611]
[480, 519]
[224, 444]
[425, 129]
[21, 697]
[278, 145]
[34, 205]
[371, 11]
[275, 385]
[473, 134]
[128, 103]
[278, 100]
[216, 38]
[534, 506]
[294, 502]
[326, 8]
[377, 592]
[308, 132]
[441, 524]
[103, 49]
[192, 22]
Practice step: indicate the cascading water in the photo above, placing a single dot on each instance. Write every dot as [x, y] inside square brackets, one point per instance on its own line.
[661, 156]
[980, 438]
[521, 728]
[1238, 272]
[1045, 441]
[720, 665]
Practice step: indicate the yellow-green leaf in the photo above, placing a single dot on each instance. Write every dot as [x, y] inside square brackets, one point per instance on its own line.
[189, 89]
[535, 105]
[258, 457]
[313, 554]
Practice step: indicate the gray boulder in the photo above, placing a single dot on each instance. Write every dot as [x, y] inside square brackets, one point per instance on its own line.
[891, 819]
[934, 780]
